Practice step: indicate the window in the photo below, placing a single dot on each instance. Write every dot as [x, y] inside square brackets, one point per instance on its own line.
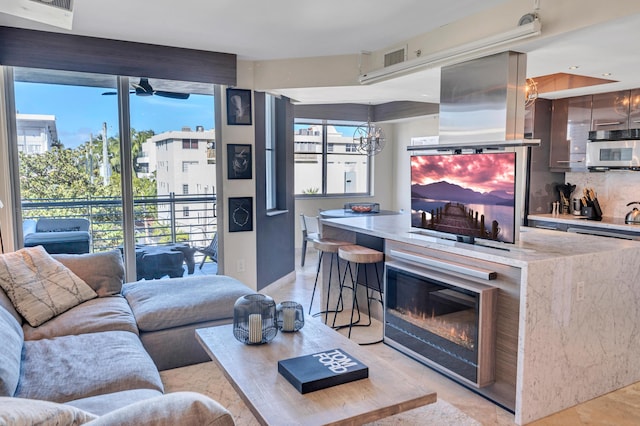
[270, 154]
[185, 211]
[327, 161]
[185, 189]
[189, 143]
[188, 164]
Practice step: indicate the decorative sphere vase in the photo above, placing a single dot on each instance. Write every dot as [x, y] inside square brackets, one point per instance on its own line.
[254, 319]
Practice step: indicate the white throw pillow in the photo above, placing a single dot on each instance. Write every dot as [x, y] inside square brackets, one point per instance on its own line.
[28, 412]
[39, 286]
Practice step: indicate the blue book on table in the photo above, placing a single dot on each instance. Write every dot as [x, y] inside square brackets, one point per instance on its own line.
[321, 370]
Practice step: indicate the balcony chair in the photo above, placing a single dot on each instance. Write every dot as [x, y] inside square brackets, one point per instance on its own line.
[70, 235]
[310, 232]
[210, 251]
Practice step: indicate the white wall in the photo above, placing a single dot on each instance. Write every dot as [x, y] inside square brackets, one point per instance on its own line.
[425, 126]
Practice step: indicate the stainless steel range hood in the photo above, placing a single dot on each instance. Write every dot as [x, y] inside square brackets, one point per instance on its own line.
[482, 102]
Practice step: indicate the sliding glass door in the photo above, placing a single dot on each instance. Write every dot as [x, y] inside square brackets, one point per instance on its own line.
[71, 169]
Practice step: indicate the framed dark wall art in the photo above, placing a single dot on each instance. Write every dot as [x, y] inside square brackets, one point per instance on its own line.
[239, 161]
[240, 214]
[239, 107]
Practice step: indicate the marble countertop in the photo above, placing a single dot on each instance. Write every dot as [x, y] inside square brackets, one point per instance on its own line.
[534, 244]
[616, 223]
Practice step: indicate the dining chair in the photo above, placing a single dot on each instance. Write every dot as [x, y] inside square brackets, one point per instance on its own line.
[310, 227]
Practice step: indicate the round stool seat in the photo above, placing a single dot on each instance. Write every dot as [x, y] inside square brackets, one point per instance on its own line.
[359, 254]
[329, 245]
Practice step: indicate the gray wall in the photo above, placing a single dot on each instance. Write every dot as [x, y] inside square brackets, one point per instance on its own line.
[275, 232]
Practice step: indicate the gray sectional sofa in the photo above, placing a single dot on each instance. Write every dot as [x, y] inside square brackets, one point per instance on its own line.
[99, 361]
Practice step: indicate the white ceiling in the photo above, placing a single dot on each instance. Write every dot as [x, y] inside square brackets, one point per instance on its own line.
[278, 29]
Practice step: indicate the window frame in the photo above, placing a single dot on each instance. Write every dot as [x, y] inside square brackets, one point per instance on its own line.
[328, 150]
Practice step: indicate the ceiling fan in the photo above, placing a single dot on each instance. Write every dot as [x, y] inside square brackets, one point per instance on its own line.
[143, 88]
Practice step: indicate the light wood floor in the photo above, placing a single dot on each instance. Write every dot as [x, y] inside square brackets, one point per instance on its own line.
[618, 408]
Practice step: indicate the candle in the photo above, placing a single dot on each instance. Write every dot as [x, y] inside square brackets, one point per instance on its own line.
[255, 328]
[288, 319]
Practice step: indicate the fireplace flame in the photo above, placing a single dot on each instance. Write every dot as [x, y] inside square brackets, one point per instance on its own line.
[455, 327]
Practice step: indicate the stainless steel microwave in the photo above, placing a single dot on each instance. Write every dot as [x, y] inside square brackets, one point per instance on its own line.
[613, 154]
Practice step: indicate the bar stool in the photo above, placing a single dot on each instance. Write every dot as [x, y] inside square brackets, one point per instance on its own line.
[331, 246]
[359, 255]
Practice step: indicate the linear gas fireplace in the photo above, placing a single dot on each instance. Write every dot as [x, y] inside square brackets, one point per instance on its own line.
[447, 324]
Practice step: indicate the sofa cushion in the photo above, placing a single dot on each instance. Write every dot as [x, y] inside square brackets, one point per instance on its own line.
[6, 303]
[11, 341]
[162, 304]
[72, 367]
[39, 286]
[29, 412]
[179, 408]
[103, 271]
[100, 314]
[102, 404]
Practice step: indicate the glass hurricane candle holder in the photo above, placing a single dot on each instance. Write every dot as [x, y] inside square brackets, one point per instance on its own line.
[254, 319]
[290, 316]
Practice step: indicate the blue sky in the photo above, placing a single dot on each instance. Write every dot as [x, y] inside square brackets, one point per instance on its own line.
[80, 111]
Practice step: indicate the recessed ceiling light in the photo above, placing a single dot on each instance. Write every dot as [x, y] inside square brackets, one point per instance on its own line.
[606, 74]
[574, 67]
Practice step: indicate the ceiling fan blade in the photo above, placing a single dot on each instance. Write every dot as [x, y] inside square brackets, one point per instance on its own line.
[115, 93]
[172, 95]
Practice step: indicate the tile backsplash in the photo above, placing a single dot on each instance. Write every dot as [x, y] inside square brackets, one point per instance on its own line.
[614, 189]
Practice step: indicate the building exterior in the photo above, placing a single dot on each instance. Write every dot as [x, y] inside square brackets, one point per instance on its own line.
[36, 132]
[184, 164]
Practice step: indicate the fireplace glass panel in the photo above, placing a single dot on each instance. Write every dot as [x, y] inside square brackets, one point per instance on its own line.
[436, 320]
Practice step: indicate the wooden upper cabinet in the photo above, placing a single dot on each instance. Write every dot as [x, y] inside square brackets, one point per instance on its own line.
[611, 111]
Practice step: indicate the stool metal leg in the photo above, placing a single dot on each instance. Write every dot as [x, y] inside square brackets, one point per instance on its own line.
[315, 284]
[339, 308]
[354, 287]
[341, 300]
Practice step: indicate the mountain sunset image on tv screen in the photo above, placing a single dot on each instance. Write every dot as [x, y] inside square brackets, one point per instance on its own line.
[470, 195]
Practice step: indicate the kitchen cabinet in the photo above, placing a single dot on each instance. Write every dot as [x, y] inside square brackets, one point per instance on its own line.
[634, 109]
[539, 177]
[570, 125]
[610, 111]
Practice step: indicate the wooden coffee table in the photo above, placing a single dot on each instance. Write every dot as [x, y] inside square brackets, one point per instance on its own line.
[253, 371]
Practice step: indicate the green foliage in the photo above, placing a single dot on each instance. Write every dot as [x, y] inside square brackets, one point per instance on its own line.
[76, 173]
[311, 191]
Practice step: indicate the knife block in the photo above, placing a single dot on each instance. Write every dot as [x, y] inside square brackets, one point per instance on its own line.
[592, 210]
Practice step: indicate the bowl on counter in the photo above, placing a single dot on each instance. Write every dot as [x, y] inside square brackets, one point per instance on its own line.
[362, 207]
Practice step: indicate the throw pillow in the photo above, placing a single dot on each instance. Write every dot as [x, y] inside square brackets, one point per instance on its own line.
[177, 408]
[28, 412]
[103, 271]
[39, 286]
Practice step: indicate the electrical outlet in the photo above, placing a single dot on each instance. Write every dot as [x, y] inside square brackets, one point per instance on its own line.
[580, 291]
[240, 265]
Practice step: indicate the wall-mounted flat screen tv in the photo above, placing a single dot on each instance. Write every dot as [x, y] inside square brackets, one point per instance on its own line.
[465, 195]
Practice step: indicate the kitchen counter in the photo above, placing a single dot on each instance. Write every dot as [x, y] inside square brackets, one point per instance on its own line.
[571, 303]
[607, 223]
[534, 244]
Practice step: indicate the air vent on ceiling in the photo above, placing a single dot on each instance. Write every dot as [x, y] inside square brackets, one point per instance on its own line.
[58, 13]
[61, 4]
[395, 57]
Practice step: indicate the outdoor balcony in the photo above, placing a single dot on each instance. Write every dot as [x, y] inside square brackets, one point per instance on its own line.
[159, 221]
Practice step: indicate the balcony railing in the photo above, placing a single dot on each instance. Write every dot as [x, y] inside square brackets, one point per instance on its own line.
[158, 220]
